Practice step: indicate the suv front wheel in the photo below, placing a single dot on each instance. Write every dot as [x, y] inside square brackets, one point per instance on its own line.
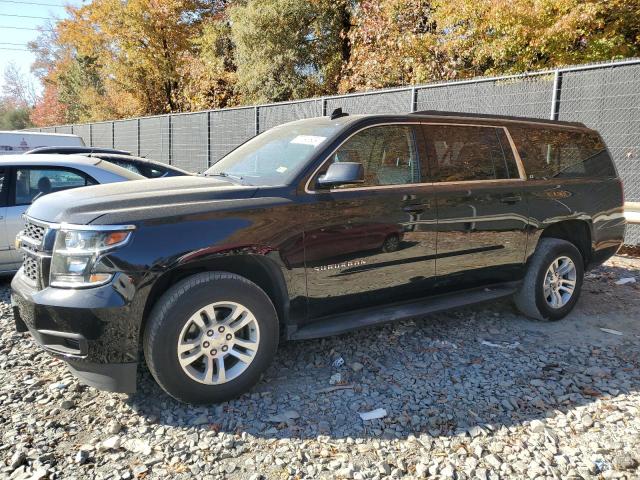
[210, 336]
[553, 281]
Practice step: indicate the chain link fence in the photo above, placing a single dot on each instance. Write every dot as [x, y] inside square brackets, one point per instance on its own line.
[604, 96]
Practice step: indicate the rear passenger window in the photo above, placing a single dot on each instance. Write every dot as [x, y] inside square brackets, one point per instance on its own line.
[129, 166]
[156, 173]
[556, 153]
[467, 153]
[387, 153]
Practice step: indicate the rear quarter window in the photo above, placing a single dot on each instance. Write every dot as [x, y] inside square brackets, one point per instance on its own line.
[557, 153]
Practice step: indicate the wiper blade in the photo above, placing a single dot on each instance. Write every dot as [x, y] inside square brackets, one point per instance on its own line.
[224, 174]
[238, 178]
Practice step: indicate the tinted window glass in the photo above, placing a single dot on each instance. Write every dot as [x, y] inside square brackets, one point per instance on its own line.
[3, 187]
[387, 154]
[129, 166]
[277, 155]
[156, 173]
[32, 183]
[460, 153]
[552, 152]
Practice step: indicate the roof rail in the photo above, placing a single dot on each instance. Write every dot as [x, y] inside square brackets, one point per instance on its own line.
[441, 113]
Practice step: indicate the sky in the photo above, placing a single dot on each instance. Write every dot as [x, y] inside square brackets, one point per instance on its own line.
[13, 41]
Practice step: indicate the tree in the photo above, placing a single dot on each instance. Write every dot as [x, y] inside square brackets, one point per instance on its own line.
[16, 100]
[17, 88]
[210, 73]
[287, 49]
[123, 58]
[49, 110]
[117, 59]
[497, 37]
[394, 43]
[13, 117]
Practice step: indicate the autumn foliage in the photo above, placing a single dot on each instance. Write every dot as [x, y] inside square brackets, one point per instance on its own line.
[121, 58]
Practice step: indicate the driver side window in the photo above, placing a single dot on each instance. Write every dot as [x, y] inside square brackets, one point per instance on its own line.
[387, 153]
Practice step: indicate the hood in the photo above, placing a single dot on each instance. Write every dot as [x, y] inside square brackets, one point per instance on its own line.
[84, 205]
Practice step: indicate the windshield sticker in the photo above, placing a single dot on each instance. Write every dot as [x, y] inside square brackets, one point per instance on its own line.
[308, 140]
[281, 169]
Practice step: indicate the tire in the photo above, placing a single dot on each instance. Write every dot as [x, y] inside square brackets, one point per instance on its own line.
[391, 243]
[210, 297]
[531, 299]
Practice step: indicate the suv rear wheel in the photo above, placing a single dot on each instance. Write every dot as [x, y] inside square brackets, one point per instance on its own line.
[553, 281]
[210, 336]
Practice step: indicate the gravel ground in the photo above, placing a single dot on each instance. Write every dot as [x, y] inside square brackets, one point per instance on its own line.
[474, 393]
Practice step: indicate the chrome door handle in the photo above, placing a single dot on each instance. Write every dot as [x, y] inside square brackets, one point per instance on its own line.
[510, 200]
[415, 210]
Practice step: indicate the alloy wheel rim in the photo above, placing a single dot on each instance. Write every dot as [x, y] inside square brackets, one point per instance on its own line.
[218, 343]
[560, 282]
[392, 243]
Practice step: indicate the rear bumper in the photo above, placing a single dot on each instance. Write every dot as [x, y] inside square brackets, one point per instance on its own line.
[598, 257]
[95, 331]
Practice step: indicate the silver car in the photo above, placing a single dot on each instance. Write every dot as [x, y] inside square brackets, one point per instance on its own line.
[24, 179]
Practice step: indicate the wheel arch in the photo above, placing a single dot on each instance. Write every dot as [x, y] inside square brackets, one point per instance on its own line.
[258, 268]
[577, 232]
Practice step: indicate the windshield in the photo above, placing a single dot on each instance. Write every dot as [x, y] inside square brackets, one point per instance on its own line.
[276, 156]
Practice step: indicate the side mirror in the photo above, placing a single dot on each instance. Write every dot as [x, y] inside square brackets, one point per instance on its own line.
[342, 173]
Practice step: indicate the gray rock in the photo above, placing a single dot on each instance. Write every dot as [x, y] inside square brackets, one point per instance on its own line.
[114, 427]
[384, 468]
[624, 461]
[357, 366]
[39, 474]
[200, 420]
[448, 471]
[422, 470]
[17, 459]
[111, 443]
[587, 421]
[139, 470]
[598, 372]
[536, 426]
[291, 414]
[494, 461]
[82, 456]
[346, 472]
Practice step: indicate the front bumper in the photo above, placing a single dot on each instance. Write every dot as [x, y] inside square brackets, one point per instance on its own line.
[95, 330]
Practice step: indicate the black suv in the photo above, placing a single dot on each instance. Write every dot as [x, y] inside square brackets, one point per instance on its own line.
[310, 229]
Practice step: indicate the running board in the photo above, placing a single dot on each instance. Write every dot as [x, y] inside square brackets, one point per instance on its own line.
[342, 323]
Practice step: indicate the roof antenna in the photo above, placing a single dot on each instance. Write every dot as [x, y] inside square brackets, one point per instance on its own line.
[337, 113]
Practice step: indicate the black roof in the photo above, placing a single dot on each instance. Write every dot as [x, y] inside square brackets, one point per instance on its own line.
[439, 113]
[76, 150]
[109, 156]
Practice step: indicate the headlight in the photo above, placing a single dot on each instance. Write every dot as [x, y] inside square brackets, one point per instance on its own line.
[76, 252]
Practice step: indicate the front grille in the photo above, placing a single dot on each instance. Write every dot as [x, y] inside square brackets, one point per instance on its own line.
[30, 267]
[36, 241]
[34, 231]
